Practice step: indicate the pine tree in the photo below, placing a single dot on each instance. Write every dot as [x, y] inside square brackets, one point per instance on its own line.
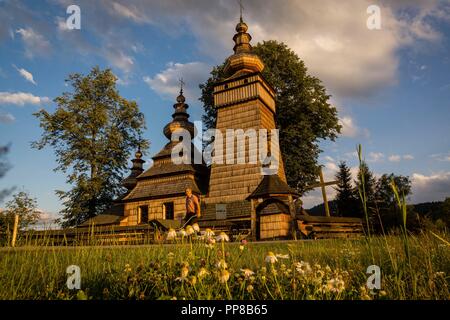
[365, 190]
[347, 203]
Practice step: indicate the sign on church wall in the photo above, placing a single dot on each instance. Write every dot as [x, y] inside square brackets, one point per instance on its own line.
[221, 211]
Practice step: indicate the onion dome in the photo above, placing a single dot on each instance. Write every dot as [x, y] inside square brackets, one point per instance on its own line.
[180, 118]
[243, 60]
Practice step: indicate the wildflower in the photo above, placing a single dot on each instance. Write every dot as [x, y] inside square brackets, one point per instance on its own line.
[127, 268]
[383, 293]
[196, 227]
[224, 276]
[282, 256]
[171, 234]
[193, 280]
[184, 274]
[223, 237]
[271, 258]
[241, 247]
[202, 273]
[170, 255]
[209, 233]
[244, 242]
[189, 230]
[327, 268]
[335, 285]
[182, 233]
[222, 264]
[247, 273]
[249, 288]
[303, 268]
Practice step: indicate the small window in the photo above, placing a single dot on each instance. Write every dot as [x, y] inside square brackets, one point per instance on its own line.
[168, 211]
[226, 86]
[245, 80]
[143, 214]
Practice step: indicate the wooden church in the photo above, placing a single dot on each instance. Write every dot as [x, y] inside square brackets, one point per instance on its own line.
[234, 197]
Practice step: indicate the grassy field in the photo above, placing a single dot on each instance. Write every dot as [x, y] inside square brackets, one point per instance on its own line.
[324, 269]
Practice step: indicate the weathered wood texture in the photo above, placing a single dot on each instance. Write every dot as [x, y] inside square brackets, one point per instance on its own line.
[329, 227]
[275, 226]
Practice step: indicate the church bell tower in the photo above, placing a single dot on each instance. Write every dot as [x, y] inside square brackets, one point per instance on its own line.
[244, 100]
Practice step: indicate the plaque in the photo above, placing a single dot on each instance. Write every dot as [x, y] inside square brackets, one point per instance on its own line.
[221, 211]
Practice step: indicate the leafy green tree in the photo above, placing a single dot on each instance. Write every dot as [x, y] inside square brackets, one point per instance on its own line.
[347, 203]
[304, 114]
[385, 199]
[25, 206]
[92, 131]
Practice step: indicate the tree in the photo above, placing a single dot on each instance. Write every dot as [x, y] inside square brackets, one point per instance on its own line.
[365, 185]
[383, 191]
[304, 115]
[347, 202]
[23, 205]
[385, 199]
[367, 180]
[92, 132]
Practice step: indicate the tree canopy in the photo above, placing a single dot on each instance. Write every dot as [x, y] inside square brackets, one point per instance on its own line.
[23, 205]
[92, 132]
[304, 115]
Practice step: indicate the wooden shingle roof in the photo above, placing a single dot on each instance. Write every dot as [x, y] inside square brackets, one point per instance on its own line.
[271, 185]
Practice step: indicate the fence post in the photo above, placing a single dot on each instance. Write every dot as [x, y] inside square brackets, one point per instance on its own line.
[14, 235]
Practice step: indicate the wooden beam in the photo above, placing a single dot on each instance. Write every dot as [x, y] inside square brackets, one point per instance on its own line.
[253, 220]
[16, 226]
[324, 193]
[318, 184]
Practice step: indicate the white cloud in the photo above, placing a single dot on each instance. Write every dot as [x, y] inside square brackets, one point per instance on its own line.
[7, 118]
[129, 11]
[359, 61]
[442, 157]
[395, 158]
[26, 75]
[408, 157]
[167, 81]
[61, 24]
[35, 43]
[119, 59]
[350, 129]
[21, 98]
[375, 157]
[435, 187]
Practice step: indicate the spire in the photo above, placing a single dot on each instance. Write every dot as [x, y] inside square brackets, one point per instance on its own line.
[243, 60]
[241, 7]
[131, 181]
[180, 116]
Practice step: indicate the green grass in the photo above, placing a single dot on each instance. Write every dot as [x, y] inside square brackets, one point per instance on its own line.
[151, 272]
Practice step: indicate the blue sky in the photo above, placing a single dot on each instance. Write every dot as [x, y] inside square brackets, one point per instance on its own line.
[391, 86]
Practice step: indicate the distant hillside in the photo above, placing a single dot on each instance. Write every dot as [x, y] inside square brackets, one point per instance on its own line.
[431, 209]
[319, 210]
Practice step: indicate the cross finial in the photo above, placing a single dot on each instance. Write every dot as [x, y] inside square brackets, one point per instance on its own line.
[241, 8]
[182, 83]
